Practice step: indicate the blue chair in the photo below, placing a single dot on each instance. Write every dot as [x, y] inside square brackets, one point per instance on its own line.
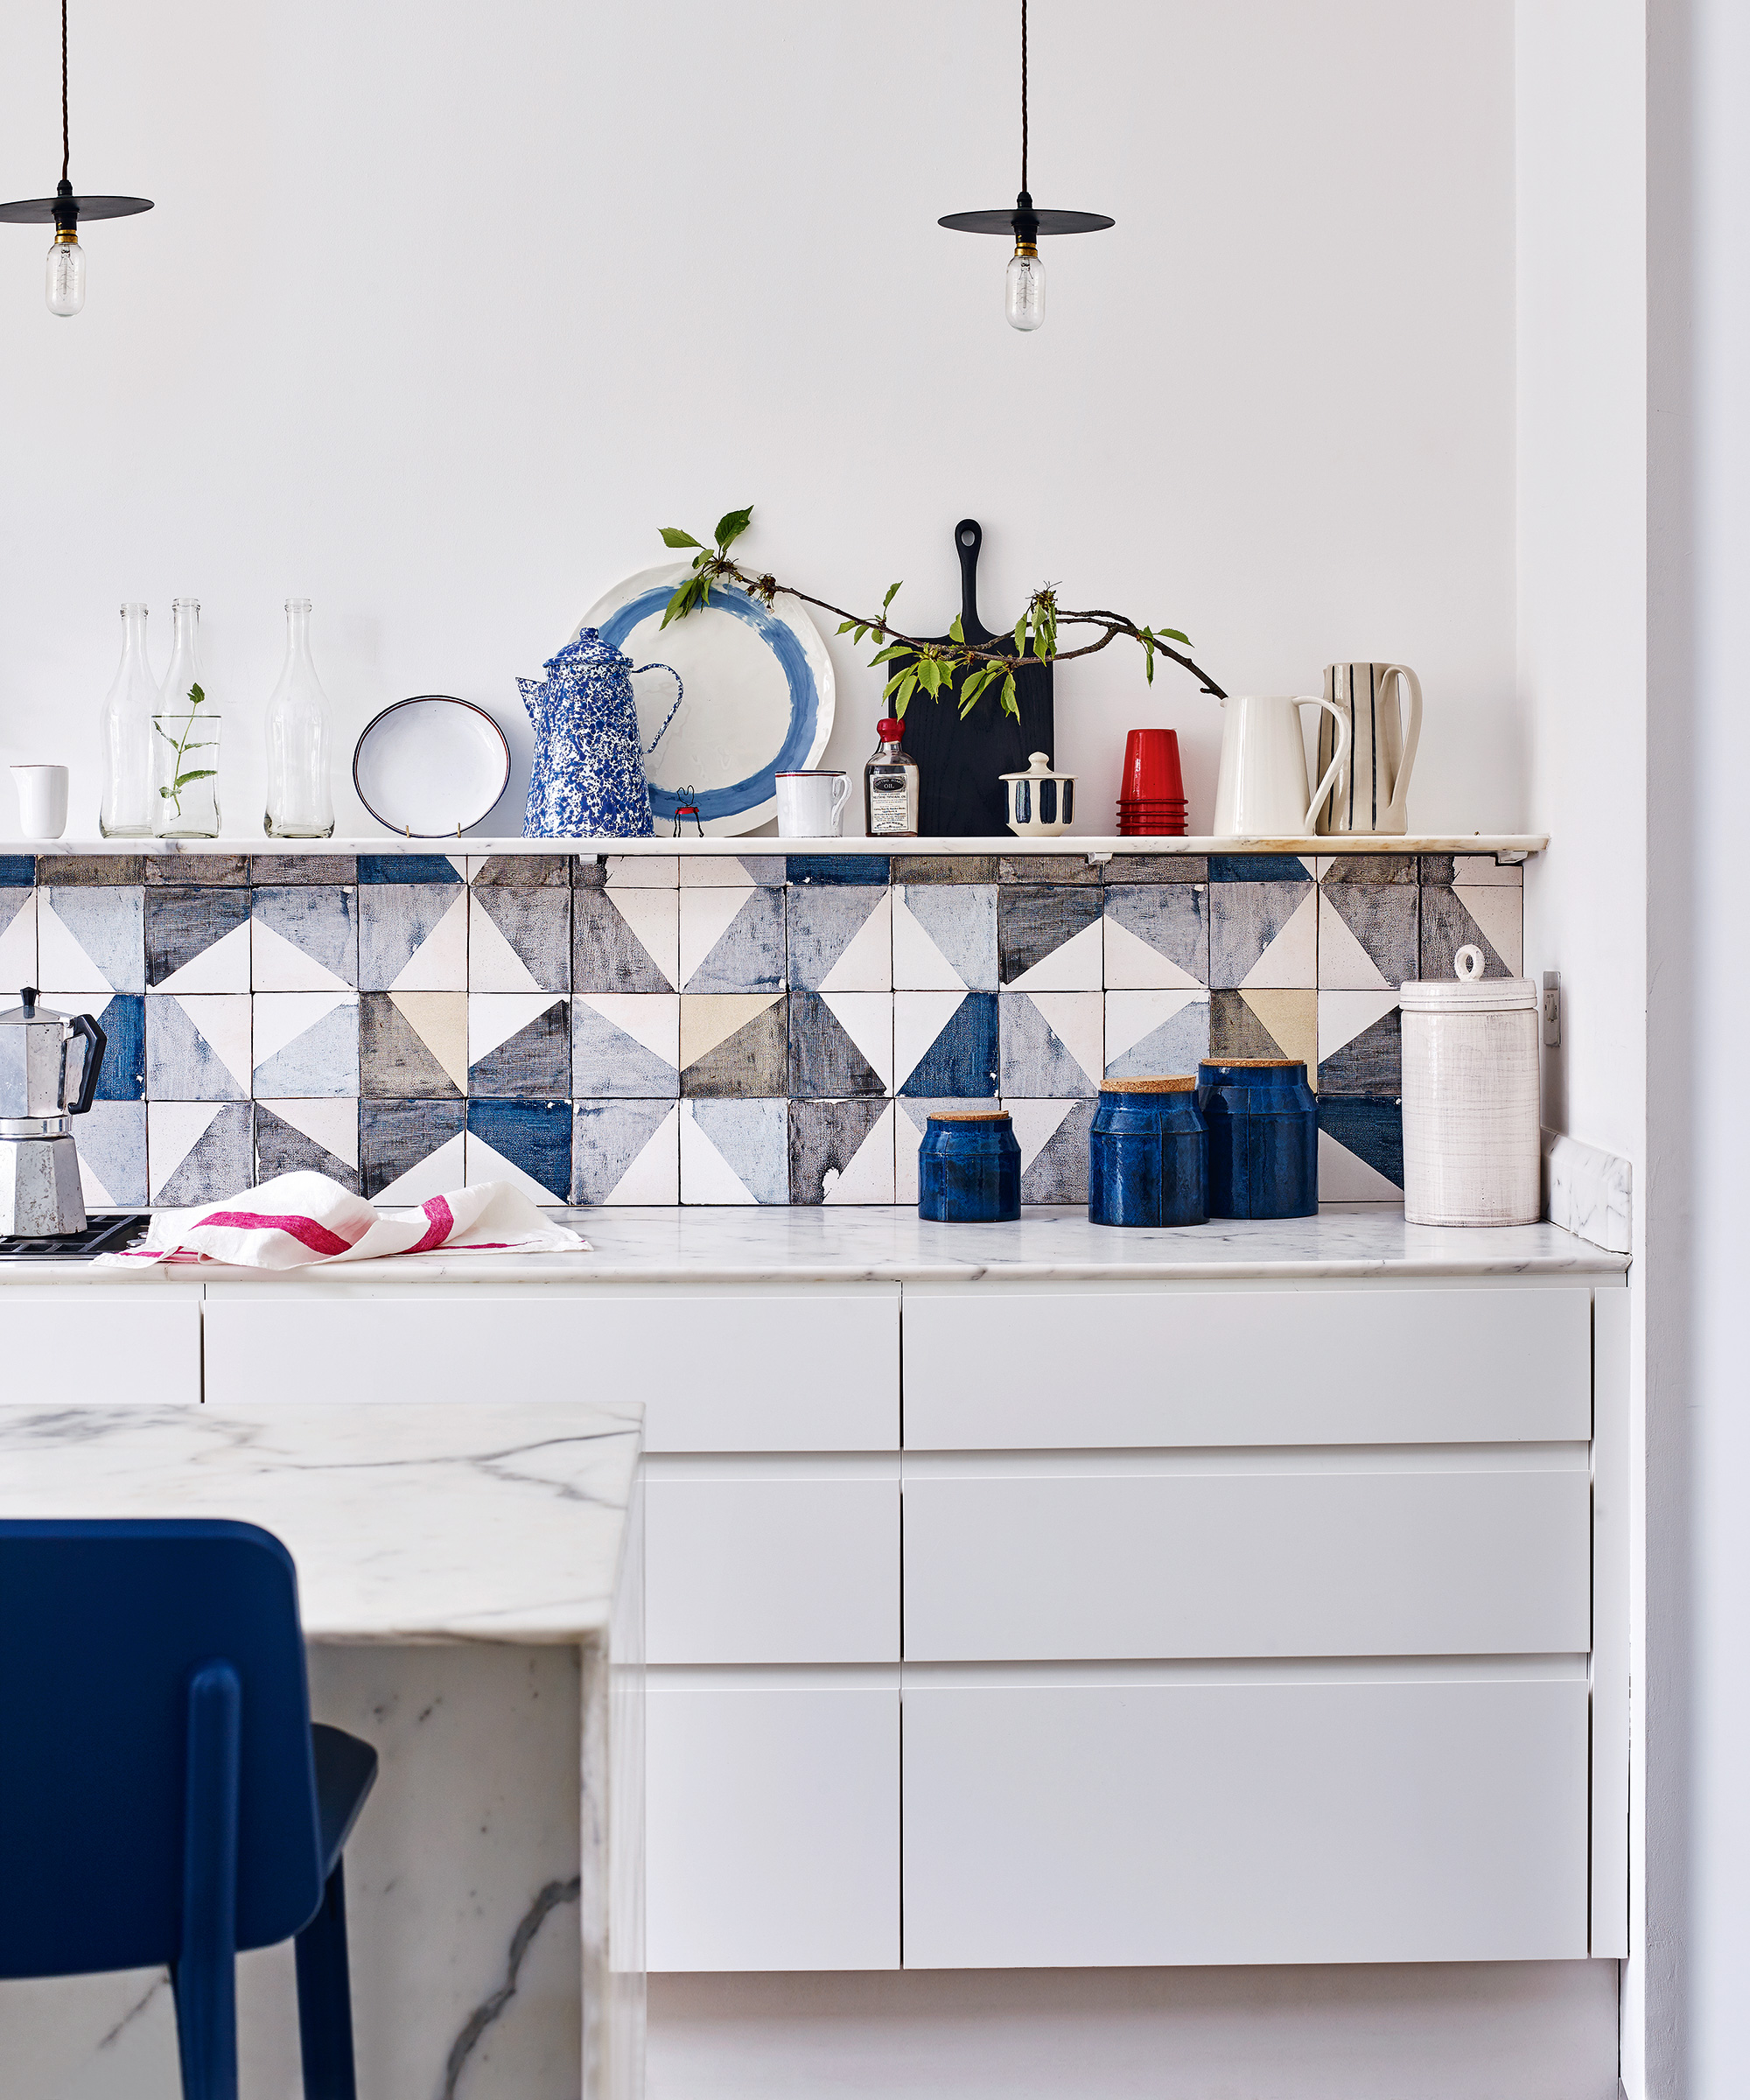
[163, 1797]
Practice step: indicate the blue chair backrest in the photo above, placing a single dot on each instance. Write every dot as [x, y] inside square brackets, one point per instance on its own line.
[103, 1625]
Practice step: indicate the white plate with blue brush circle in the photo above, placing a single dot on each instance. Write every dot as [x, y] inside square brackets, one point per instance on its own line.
[758, 696]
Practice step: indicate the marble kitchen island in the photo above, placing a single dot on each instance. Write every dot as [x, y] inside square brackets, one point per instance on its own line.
[470, 1579]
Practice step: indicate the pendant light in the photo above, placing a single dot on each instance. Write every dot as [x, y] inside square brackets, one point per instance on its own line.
[1026, 283]
[65, 283]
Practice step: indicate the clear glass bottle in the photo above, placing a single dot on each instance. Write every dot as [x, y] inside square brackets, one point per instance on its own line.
[124, 734]
[889, 785]
[300, 794]
[184, 738]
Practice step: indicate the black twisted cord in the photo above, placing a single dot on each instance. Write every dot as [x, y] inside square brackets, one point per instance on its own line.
[1024, 86]
[65, 148]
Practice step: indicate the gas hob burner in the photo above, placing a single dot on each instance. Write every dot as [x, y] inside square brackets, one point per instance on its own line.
[108, 1233]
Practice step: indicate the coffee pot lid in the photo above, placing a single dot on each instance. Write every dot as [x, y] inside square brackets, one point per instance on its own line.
[1467, 990]
[588, 644]
[27, 1013]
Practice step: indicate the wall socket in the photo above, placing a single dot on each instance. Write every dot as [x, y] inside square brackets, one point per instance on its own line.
[1552, 1009]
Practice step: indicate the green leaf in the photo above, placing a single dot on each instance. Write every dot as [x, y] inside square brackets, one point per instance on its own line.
[845, 626]
[908, 685]
[892, 654]
[680, 605]
[672, 537]
[732, 525]
[1021, 636]
[892, 592]
[1173, 634]
[954, 630]
[196, 695]
[183, 779]
[1011, 705]
[862, 629]
[896, 681]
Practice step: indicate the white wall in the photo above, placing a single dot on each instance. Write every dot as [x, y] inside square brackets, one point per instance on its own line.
[444, 309]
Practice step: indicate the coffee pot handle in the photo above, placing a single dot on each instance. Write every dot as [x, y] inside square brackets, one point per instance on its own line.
[1337, 756]
[1395, 818]
[680, 695]
[95, 1044]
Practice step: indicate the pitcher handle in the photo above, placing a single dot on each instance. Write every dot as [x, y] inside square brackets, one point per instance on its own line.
[841, 796]
[1396, 819]
[680, 695]
[1331, 770]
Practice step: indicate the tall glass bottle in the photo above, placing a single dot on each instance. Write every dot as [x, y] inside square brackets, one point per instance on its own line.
[300, 795]
[124, 736]
[184, 738]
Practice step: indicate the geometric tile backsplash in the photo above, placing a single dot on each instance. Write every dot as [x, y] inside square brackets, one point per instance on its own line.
[757, 1029]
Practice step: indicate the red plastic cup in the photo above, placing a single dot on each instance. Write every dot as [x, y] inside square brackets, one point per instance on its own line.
[1151, 773]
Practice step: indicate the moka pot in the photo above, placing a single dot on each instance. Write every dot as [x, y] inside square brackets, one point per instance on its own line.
[39, 1192]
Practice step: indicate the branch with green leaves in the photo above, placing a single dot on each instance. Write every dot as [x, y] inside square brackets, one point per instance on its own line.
[963, 668]
[179, 780]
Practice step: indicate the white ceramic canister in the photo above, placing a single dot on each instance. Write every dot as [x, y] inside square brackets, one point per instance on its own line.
[1470, 1098]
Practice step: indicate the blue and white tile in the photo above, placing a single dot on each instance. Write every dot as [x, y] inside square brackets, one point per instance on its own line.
[306, 1044]
[304, 937]
[1156, 936]
[92, 938]
[197, 940]
[840, 938]
[198, 1151]
[526, 1144]
[727, 870]
[1049, 937]
[1263, 935]
[18, 939]
[945, 936]
[197, 1046]
[519, 1045]
[1154, 1035]
[1360, 1043]
[413, 1045]
[945, 1045]
[308, 1137]
[735, 1151]
[1053, 1045]
[1360, 1149]
[122, 1016]
[842, 1152]
[519, 938]
[413, 936]
[911, 1120]
[814, 870]
[625, 1151]
[625, 939]
[841, 1044]
[731, 938]
[112, 1154]
[411, 1150]
[734, 1043]
[1053, 1136]
[625, 1045]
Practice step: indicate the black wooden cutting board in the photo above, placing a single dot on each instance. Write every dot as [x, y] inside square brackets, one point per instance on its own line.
[960, 793]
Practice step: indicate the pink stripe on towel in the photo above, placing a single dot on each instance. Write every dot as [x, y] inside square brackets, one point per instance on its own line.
[306, 1231]
[442, 1223]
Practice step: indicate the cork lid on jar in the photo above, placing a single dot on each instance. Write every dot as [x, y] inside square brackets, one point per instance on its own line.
[968, 1115]
[1167, 1083]
[1250, 1064]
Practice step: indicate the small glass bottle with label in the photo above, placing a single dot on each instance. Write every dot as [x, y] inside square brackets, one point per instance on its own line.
[889, 785]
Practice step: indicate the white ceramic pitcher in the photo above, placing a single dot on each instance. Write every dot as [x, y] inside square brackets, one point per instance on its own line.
[1261, 792]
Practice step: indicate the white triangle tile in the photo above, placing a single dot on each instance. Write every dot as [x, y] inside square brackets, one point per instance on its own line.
[486, 1163]
[867, 961]
[643, 871]
[440, 1020]
[1075, 1020]
[223, 1020]
[282, 1017]
[173, 1129]
[705, 1022]
[869, 1177]
[440, 962]
[434, 1175]
[1078, 965]
[919, 964]
[1343, 1015]
[652, 915]
[1500, 913]
[494, 964]
[1131, 963]
[277, 964]
[1291, 962]
[223, 967]
[1344, 964]
[1132, 1015]
[867, 1018]
[706, 916]
[494, 1016]
[651, 1019]
[1035, 1124]
[333, 1124]
[96, 1196]
[18, 948]
[1345, 1177]
[654, 1175]
[60, 960]
[706, 1176]
[918, 1018]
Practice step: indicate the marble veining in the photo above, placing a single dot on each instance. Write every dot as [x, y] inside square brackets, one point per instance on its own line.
[1588, 1192]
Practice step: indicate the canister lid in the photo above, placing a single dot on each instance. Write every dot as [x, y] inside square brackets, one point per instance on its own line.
[968, 1115]
[1467, 990]
[1165, 1084]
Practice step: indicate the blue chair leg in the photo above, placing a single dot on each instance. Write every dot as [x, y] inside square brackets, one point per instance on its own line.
[205, 1975]
[325, 1998]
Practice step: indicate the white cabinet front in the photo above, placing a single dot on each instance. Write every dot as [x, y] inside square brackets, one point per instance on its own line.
[773, 1826]
[1071, 1825]
[136, 1347]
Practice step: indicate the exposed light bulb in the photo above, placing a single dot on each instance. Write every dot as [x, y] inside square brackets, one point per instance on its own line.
[1026, 300]
[65, 283]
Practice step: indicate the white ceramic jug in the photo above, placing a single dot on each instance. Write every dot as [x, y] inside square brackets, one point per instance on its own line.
[1261, 792]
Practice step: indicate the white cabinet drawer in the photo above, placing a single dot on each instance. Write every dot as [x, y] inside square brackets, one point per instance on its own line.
[143, 1348]
[785, 1571]
[1075, 1826]
[819, 1372]
[1068, 1370]
[773, 1827]
[1248, 1562]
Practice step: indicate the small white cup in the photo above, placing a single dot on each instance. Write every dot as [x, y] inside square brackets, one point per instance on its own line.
[42, 800]
[811, 804]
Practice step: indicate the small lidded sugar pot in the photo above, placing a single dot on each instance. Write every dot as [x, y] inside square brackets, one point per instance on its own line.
[969, 1168]
[1041, 802]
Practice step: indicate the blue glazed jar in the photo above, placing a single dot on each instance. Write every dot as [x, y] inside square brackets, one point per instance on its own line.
[1263, 1137]
[969, 1168]
[1148, 1155]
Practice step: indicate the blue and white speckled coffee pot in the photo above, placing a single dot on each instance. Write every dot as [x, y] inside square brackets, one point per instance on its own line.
[588, 780]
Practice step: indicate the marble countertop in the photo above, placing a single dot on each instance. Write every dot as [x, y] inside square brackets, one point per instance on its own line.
[511, 1532]
[793, 1244]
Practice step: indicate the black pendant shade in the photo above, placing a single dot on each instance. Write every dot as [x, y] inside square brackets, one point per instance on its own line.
[1024, 213]
[29, 210]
